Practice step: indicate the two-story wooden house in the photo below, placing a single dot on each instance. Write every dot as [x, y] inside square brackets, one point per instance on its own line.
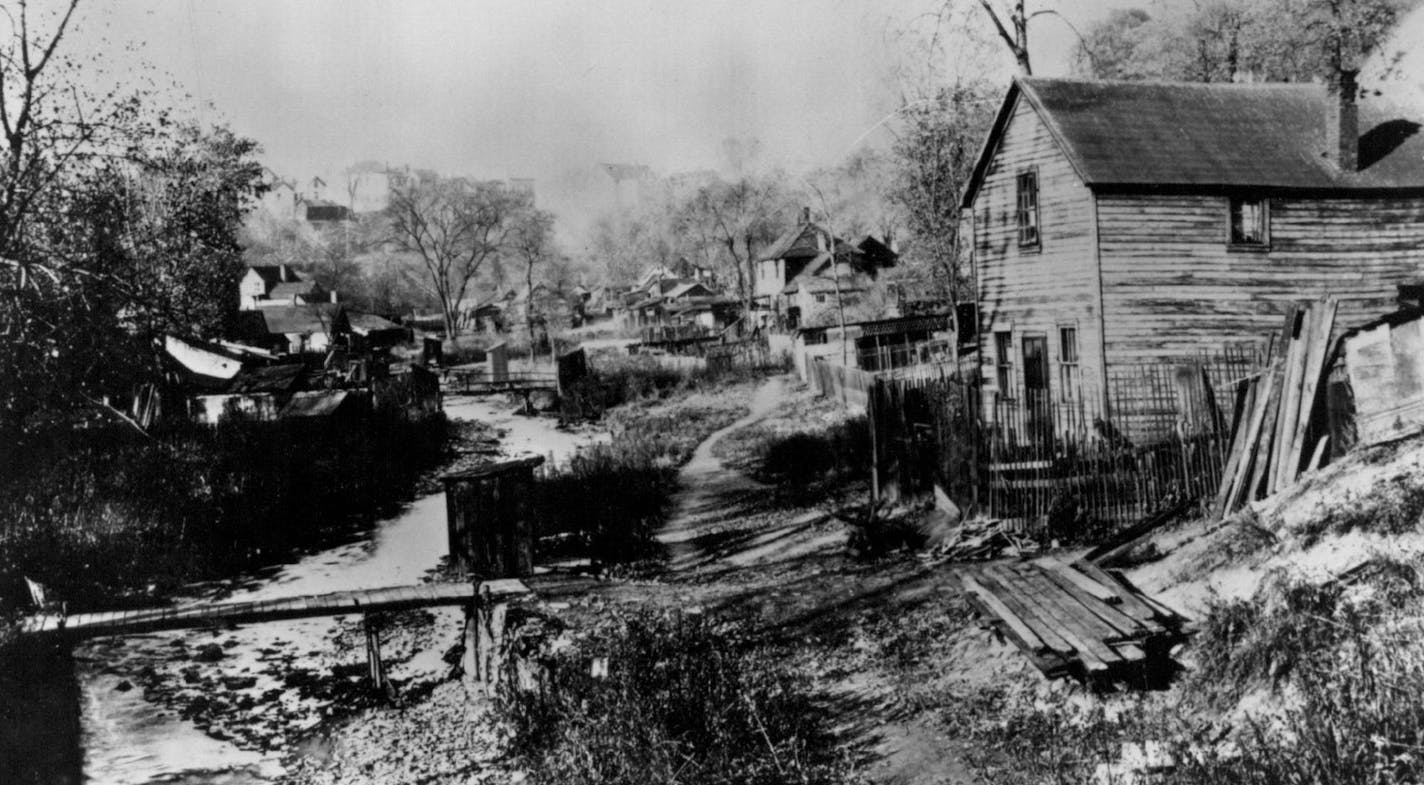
[1115, 223]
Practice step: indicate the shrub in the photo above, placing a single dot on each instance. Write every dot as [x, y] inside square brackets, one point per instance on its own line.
[1394, 506]
[683, 701]
[110, 517]
[614, 496]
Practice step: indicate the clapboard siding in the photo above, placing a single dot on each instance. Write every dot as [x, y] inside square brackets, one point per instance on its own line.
[1035, 291]
[1172, 287]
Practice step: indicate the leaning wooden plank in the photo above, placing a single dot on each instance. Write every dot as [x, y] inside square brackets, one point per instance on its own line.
[1260, 473]
[1010, 619]
[1125, 541]
[1128, 628]
[1290, 401]
[1320, 447]
[1041, 624]
[1083, 582]
[1314, 369]
[1163, 610]
[1262, 389]
[1238, 448]
[1132, 603]
[1093, 653]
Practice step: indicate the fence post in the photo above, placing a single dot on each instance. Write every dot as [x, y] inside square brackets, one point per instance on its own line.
[872, 401]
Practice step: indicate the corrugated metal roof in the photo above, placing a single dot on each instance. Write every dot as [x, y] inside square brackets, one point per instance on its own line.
[1158, 134]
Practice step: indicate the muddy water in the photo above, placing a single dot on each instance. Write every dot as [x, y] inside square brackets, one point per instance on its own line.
[129, 738]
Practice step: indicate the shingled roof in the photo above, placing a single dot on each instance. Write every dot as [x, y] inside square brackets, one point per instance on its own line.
[1162, 135]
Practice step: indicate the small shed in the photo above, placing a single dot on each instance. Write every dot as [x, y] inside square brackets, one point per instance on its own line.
[490, 521]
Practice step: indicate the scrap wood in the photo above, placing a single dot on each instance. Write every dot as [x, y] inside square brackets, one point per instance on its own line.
[1127, 539]
[1095, 623]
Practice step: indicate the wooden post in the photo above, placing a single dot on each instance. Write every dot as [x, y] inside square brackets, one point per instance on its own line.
[484, 635]
[376, 669]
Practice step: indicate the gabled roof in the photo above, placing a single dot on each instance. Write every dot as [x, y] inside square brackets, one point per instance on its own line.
[1162, 135]
[286, 291]
[368, 323]
[269, 379]
[690, 288]
[293, 319]
[800, 242]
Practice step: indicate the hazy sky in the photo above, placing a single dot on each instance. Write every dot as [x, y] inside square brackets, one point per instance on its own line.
[500, 88]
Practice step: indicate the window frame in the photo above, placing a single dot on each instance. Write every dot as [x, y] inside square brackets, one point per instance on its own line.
[1069, 370]
[1021, 209]
[1232, 243]
[1004, 363]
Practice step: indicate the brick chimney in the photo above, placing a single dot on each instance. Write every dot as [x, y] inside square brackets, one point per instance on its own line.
[1342, 126]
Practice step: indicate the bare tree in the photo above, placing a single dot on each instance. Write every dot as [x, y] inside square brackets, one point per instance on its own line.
[532, 241]
[1017, 38]
[738, 218]
[454, 227]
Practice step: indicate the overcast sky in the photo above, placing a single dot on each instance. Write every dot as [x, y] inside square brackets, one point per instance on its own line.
[500, 88]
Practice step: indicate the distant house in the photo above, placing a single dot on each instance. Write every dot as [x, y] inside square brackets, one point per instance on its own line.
[295, 329]
[1115, 223]
[798, 276]
[269, 285]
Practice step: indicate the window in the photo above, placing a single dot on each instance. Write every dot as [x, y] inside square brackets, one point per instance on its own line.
[820, 298]
[1028, 207]
[1250, 222]
[1003, 345]
[1068, 363]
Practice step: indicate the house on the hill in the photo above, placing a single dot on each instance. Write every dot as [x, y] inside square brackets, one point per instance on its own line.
[274, 285]
[1119, 223]
[799, 280]
[295, 329]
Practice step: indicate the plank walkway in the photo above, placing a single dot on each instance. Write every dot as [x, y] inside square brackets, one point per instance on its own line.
[130, 622]
[479, 382]
[1074, 619]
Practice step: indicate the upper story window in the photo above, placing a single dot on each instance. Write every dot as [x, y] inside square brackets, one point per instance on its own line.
[1250, 221]
[1028, 207]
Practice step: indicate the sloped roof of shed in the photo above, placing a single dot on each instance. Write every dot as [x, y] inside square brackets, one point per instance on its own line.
[1158, 134]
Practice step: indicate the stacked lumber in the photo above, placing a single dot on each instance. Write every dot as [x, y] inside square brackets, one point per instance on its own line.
[980, 540]
[1268, 444]
[1073, 619]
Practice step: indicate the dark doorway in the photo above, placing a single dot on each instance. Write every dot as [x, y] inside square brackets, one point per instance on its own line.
[1037, 397]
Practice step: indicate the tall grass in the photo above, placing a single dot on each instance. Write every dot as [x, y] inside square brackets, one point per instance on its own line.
[614, 496]
[110, 517]
[683, 701]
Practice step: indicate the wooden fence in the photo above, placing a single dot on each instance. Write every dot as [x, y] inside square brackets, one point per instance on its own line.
[1072, 469]
[850, 386]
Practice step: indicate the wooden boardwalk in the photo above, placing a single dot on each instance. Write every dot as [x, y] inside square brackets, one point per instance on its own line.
[479, 382]
[398, 598]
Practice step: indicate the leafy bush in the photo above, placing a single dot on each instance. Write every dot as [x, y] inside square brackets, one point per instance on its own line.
[683, 701]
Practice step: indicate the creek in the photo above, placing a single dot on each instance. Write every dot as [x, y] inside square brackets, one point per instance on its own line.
[219, 706]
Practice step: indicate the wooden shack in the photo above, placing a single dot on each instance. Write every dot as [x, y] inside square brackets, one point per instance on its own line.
[1117, 224]
[490, 519]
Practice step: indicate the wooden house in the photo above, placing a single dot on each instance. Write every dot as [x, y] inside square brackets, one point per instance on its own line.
[1116, 224]
[796, 282]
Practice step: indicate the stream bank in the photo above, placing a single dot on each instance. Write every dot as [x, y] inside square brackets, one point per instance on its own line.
[226, 705]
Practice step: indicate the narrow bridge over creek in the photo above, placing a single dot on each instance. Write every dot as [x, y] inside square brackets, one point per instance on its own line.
[80, 626]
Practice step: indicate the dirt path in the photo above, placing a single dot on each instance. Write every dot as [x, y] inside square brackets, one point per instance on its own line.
[711, 494]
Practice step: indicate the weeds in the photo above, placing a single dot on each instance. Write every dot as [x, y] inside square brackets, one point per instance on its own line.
[614, 496]
[104, 518]
[1394, 506]
[682, 701]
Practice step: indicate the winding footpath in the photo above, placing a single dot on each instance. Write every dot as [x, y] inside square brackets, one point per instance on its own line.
[709, 492]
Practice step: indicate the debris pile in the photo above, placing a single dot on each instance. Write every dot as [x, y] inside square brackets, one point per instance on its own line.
[1075, 619]
[1274, 418]
[981, 540]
